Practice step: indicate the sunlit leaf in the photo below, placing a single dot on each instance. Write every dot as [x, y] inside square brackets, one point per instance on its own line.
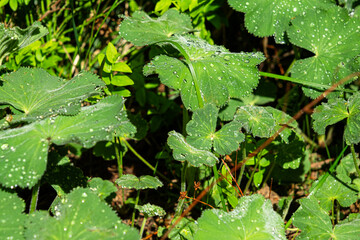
[253, 218]
[202, 135]
[334, 39]
[184, 151]
[81, 215]
[24, 150]
[150, 210]
[38, 94]
[11, 218]
[219, 73]
[144, 182]
[334, 189]
[315, 223]
[265, 17]
[134, 28]
[336, 110]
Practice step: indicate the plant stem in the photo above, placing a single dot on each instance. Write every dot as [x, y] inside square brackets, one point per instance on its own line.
[180, 206]
[216, 175]
[143, 160]
[142, 227]
[242, 170]
[134, 211]
[355, 159]
[119, 156]
[331, 170]
[294, 80]
[252, 175]
[34, 197]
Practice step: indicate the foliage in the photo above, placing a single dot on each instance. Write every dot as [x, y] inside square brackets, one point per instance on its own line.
[211, 108]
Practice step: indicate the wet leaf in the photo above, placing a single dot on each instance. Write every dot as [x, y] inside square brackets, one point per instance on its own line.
[253, 218]
[334, 39]
[150, 210]
[133, 29]
[38, 95]
[144, 182]
[266, 18]
[219, 73]
[256, 120]
[334, 189]
[81, 215]
[202, 135]
[11, 218]
[184, 151]
[315, 223]
[103, 188]
[24, 150]
[336, 110]
[14, 39]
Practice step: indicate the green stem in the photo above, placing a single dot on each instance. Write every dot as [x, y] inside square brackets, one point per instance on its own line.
[34, 197]
[192, 71]
[355, 159]
[119, 156]
[252, 176]
[269, 173]
[242, 170]
[143, 160]
[142, 227]
[331, 170]
[332, 212]
[302, 82]
[288, 223]
[134, 211]
[216, 175]
[180, 206]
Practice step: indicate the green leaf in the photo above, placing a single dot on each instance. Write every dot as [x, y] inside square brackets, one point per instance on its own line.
[103, 188]
[336, 110]
[140, 24]
[183, 151]
[334, 39]
[313, 221]
[265, 18]
[24, 150]
[220, 74]
[150, 210]
[81, 215]
[121, 80]
[202, 135]
[16, 38]
[11, 218]
[290, 155]
[121, 67]
[38, 94]
[253, 218]
[185, 229]
[335, 189]
[111, 53]
[256, 120]
[144, 182]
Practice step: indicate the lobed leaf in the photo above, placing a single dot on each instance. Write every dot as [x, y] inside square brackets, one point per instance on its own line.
[37, 94]
[11, 218]
[315, 223]
[150, 210]
[334, 39]
[219, 73]
[271, 17]
[202, 135]
[13, 39]
[184, 151]
[24, 150]
[336, 110]
[133, 29]
[253, 218]
[334, 189]
[80, 215]
[144, 182]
